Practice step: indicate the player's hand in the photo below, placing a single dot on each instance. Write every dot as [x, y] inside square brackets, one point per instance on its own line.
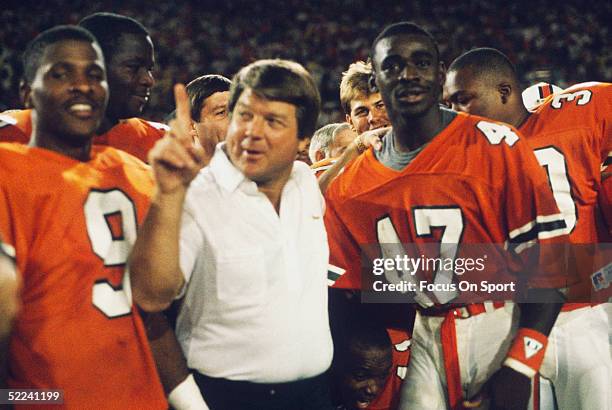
[373, 138]
[507, 389]
[177, 158]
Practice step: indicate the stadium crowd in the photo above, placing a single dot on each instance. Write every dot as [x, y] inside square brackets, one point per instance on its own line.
[194, 38]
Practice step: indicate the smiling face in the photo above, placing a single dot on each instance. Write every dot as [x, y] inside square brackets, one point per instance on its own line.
[130, 75]
[262, 138]
[69, 92]
[367, 113]
[408, 74]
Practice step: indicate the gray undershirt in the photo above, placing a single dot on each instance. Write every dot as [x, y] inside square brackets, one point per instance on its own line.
[390, 157]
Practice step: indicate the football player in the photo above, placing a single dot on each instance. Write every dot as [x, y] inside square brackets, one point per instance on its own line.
[571, 137]
[443, 177]
[72, 226]
[129, 57]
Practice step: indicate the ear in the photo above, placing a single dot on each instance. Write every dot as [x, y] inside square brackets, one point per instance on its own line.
[441, 73]
[505, 91]
[349, 121]
[25, 94]
[319, 156]
[372, 83]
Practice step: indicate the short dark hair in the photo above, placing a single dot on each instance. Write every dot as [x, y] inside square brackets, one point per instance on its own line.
[203, 87]
[107, 27]
[485, 61]
[35, 49]
[281, 80]
[407, 28]
[361, 333]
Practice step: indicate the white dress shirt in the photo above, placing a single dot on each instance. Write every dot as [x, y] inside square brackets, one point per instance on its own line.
[255, 305]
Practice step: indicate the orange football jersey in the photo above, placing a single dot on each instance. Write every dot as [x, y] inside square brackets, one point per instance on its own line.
[134, 135]
[474, 183]
[72, 225]
[571, 135]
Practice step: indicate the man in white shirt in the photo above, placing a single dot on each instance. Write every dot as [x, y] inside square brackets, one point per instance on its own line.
[243, 239]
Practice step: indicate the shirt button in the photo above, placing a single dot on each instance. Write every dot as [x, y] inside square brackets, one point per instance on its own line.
[272, 392]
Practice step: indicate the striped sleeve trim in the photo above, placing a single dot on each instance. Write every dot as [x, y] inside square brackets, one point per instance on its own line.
[6, 120]
[333, 274]
[608, 161]
[544, 227]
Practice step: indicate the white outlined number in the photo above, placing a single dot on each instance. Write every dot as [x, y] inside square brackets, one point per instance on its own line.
[113, 250]
[553, 162]
[496, 133]
[448, 218]
[582, 97]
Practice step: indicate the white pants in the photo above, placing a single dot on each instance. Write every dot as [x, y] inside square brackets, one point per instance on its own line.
[577, 359]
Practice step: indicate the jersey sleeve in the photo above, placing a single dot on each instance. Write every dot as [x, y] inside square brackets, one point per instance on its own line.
[344, 270]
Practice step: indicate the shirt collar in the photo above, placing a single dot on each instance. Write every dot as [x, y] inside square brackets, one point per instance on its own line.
[225, 173]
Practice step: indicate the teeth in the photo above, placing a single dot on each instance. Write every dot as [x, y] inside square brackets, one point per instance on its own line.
[80, 107]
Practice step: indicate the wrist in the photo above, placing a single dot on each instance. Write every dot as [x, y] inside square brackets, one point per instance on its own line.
[187, 396]
[526, 353]
[359, 145]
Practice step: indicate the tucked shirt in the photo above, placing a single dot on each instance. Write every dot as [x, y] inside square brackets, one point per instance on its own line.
[255, 306]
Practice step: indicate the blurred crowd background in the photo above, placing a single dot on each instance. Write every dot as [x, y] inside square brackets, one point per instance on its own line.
[559, 41]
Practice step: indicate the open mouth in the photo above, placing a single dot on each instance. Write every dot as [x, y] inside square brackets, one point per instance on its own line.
[81, 110]
[363, 403]
[252, 155]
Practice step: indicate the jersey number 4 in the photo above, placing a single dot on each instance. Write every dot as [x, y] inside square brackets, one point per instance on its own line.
[112, 246]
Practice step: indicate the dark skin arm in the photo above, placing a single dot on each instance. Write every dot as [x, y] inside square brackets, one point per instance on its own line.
[508, 389]
[169, 358]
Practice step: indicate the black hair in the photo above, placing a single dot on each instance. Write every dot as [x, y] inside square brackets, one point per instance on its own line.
[35, 49]
[107, 27]
[485, 61]
[281, 80]
[203, 87]
[407, 28]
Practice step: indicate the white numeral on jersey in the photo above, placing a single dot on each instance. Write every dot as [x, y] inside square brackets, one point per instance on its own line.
[451, 220]
[553, 162]
[584, 97]
[496, 133]
[112, 248]
[391, 246]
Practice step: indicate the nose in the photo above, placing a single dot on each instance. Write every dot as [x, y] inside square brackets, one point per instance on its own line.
[255, 127]
[409, 72]
[373, 387]
[374, 116]
[146, 78]
[82, 83]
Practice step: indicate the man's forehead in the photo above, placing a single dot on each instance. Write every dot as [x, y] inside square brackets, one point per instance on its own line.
[72, 52]
[363, 99]
[253, 100]
[404, 42]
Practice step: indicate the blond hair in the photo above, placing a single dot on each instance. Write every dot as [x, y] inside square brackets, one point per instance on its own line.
[355, 84]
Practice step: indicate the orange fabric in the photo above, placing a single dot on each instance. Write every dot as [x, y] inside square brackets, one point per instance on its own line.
[498, 188]
[390, 395]
[15, 126]
[579, 127]
[320, 167]
[520, 351]
[448, 340]
[134, 136]
[61, 338]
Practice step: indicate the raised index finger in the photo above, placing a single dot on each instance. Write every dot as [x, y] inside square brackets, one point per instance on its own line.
[183, 114]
